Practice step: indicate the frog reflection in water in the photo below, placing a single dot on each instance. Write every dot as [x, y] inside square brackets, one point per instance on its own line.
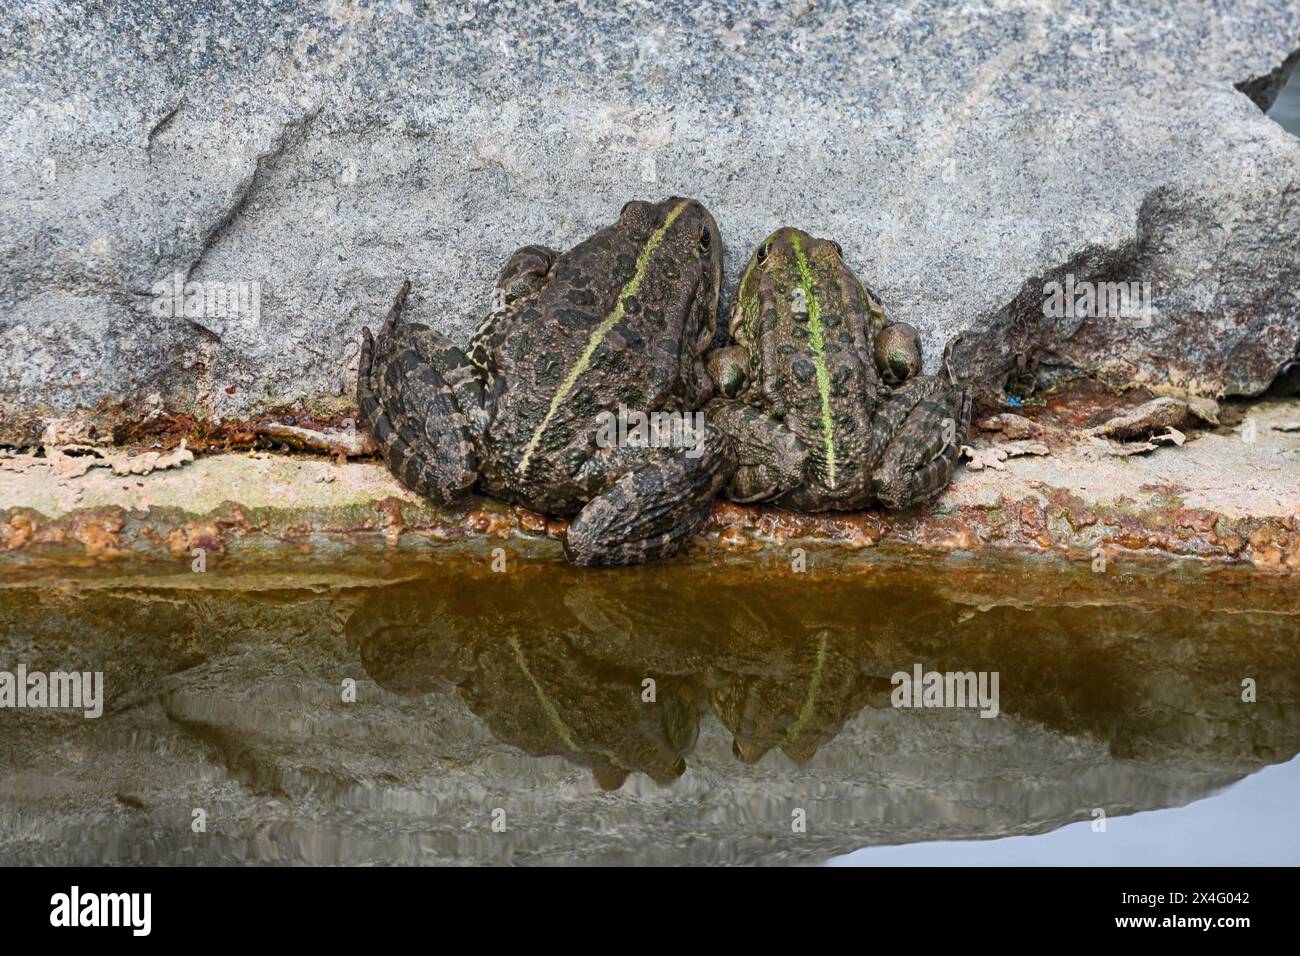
[555, 664]
[621, 319]
[822, 399]
[799, 709]
[532, 687]
[577, 686]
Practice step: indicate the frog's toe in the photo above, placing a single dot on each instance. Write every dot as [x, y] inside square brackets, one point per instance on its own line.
[395, 313]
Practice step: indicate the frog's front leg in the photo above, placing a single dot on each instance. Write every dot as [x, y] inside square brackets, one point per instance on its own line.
[925, 440]
[770, 457]
[423, 401]
[652, 509]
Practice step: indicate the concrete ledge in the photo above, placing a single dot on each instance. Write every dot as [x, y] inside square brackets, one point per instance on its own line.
[1217, 498]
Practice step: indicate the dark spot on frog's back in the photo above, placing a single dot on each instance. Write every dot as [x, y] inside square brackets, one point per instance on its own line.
[622, 338]
[548, 374]
[671, 348]
[624, 268]
[631, 306]
[518, 347]
[573, 459]
[556, 439]
[670, 270]
[803, 370]
[574, 320]
[831, 320]
[581, 297]
[585, 404]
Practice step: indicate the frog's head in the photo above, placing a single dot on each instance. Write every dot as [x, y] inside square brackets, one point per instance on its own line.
[682, 248]
[796, 262]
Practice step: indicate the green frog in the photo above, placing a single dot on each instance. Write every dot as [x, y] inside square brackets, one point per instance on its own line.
[822, 418]
[619, 322]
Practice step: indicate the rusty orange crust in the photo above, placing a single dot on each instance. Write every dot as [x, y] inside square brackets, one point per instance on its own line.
[1064, 525]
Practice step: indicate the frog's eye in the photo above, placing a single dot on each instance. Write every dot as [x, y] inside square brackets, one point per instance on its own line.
[839, 251]
[763, 252]
[706, 240]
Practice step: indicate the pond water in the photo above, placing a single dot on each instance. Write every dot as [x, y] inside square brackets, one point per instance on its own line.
[431, 710]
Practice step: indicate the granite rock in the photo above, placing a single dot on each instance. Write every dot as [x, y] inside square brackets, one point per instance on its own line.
[965, 155]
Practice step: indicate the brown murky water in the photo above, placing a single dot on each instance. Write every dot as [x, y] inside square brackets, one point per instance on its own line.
[679, 714]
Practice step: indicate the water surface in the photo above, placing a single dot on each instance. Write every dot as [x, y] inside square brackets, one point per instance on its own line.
[681, 713]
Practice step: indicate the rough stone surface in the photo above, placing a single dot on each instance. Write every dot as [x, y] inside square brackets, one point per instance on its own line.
[962, 154]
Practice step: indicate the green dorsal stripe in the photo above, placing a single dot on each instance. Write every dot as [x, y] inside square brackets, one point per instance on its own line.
[548, 707]
[598, 334]
[810, 699]
[817, 341]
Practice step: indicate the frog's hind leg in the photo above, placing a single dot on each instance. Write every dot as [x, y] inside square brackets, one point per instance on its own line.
[921, 456]
[410, 386]
[522, 275]
[652, 510]
[524, 272]
[770, 457]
